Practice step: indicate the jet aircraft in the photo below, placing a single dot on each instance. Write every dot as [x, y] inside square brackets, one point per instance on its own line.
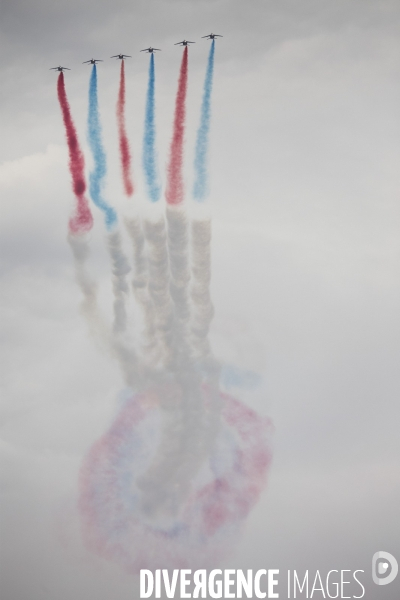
[150, 49]
[92, 61]
[121, 56]
[211, 36]
[61, 69]
[184, 43]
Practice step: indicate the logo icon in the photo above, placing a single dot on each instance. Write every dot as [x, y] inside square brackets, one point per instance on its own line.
[384, 568]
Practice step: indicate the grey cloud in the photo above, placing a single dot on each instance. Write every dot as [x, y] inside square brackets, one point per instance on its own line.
[304, 278]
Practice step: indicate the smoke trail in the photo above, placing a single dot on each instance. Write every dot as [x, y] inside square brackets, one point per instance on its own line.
[190, 415]
[123, 140]
[158, 283]
[174, 191]
[166, 481]
[120, 343]
[200, 188]
[149, 153]
[177, 241]
[140, 285]
[99, 157]
[120, 268]
[80, 251]
[82, 220]
[203, 310]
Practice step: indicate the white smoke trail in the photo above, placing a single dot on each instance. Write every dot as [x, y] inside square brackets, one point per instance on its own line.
[203, 310]
[158, 286]
[120, 269]
[140, 286]
[177, 242]
[121, 345]
[80, 251]
[201, 318]
[190, 414]
[165, 483]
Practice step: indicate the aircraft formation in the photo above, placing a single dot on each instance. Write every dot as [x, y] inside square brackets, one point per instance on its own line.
[150, 50]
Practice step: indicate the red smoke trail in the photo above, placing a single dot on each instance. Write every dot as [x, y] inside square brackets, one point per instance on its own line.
[123, 140]
[82, 220]
[174, 191]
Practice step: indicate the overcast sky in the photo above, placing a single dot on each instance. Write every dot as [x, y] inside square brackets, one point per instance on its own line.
[305, 180]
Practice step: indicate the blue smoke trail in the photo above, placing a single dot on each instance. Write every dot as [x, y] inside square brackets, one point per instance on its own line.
[200, 188]
[96, 177]
[149, 153]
